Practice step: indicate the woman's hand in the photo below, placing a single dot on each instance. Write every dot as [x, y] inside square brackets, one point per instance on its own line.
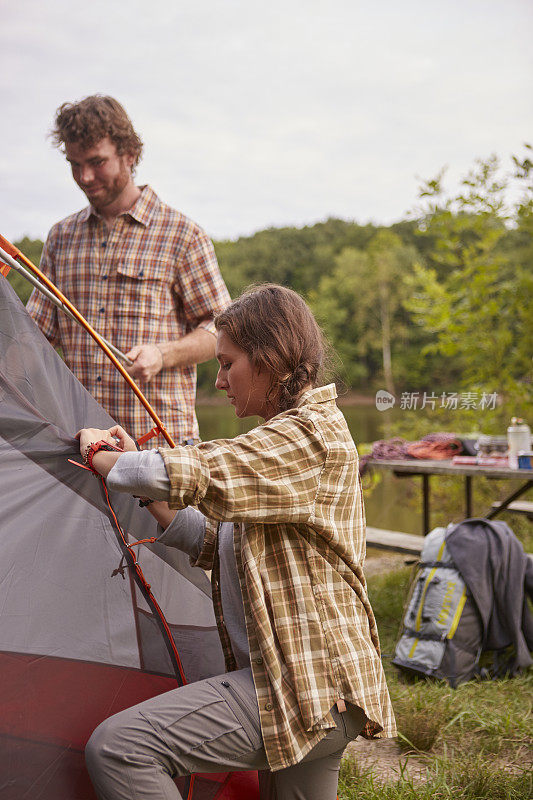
[122, 439]
[102, 461]
[89, 435]
[115, 435]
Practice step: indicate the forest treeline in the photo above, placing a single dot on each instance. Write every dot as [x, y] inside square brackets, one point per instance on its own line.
[440, 301]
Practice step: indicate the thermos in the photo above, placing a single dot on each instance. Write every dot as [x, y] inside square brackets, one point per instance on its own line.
[518, 440]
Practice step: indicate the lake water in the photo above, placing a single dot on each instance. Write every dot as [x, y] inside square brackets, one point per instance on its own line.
[393, 503]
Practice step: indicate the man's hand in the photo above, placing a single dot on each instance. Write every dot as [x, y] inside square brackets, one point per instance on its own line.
[147, 362]
[149, 359]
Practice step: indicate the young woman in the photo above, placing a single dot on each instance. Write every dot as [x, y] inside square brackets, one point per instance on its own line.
[277, 515]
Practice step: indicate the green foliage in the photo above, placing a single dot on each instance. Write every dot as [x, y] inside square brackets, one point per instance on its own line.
[441, 302]
[32, 249]
[360, 306]
[474, 294]
[295, 257]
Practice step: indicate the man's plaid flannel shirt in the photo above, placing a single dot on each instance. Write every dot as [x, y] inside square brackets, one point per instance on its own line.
[152, 278]
[292, 488]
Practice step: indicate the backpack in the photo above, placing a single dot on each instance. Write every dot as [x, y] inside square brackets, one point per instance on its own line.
[442, 633]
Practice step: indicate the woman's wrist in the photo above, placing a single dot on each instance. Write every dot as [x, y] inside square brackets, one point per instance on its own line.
[104, 461]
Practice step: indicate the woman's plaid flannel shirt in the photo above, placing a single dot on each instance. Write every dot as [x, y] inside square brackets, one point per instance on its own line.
[292, 488]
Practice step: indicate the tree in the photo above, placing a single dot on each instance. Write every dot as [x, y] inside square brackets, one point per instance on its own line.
[389, 263]
[361, 306]
[32, 249]
[474, 292]
[294, 257]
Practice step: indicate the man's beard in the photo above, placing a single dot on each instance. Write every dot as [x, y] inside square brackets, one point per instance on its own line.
[111, 193]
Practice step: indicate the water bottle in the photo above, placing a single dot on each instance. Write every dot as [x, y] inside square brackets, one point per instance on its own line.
[518, 439]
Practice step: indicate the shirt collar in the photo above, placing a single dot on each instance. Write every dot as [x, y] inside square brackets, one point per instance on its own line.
[322, 394]
[142, 211]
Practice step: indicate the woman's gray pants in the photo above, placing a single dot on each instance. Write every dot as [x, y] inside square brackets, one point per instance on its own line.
[207, 726]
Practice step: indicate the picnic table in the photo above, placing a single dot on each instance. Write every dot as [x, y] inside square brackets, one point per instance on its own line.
[426, 468]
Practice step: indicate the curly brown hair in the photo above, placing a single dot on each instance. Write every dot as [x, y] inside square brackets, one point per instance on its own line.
[278, 331]
[92, 119]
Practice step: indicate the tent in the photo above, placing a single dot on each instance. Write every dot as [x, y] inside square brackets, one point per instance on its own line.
[89, 622]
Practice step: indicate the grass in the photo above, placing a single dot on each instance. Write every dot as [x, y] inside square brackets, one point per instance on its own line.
[475, 741]
[467, 779]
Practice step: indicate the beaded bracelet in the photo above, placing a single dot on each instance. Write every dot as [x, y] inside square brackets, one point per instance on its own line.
[95, 447]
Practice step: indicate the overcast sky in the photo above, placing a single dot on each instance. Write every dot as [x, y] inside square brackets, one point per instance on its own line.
[258, 114]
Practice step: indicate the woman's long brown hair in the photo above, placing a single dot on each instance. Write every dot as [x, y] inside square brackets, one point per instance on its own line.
[278, 331]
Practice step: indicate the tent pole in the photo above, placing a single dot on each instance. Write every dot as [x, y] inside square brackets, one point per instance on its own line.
[14, 253]
[53, 299]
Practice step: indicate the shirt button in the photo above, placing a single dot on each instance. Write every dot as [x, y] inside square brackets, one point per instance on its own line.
[102, 310]
[258, 660]
[104, 277]
[268, 707]
[104, 244]
[98, 378]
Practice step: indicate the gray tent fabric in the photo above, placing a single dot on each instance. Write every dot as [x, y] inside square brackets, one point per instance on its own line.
[80, 636]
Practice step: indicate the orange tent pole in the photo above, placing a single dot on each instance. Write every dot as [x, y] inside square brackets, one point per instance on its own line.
[17, 266]
[14, 253]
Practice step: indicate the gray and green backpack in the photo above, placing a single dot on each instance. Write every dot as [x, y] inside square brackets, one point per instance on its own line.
[442, 630]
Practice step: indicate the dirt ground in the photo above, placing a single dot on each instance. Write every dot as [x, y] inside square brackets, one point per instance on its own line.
[383, 561]
[386, 761]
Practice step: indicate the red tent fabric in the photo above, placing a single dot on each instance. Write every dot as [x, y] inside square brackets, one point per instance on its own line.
[80, 635]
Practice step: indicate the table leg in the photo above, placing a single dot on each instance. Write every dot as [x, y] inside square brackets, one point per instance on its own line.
[468, 496]
[425, 493]
[495, 511]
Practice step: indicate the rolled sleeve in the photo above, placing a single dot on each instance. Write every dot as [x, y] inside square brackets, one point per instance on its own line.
[270, 474]
[201, 286]
[188, 472]
[208, 325]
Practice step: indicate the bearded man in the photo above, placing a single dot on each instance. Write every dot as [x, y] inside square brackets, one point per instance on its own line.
[143, 275]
